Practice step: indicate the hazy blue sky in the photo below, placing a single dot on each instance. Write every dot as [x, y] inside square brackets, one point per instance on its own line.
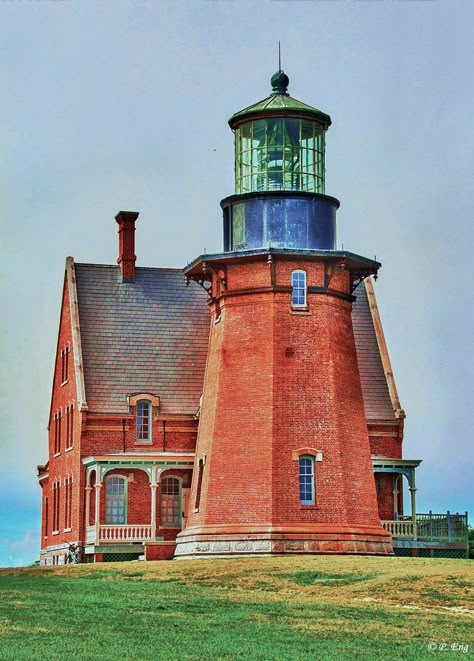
[122, 104]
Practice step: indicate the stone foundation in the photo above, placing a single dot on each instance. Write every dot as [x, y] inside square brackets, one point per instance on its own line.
[318, 538]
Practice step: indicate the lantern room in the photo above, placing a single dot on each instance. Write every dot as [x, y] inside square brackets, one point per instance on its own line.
[279, 144]
[279, 196]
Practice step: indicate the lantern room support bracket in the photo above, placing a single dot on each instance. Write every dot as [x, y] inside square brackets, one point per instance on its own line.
[204, 279]
[358, 276]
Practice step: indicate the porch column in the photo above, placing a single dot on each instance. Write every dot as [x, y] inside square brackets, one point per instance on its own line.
[97, 511]
[88, 507]
[153, 487]
[413, 501]
[396, 478]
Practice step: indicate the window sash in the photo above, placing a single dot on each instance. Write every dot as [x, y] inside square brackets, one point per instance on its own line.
[115, 501]
[306, 480]
[298, 292]
[143, 431]
[170, 502]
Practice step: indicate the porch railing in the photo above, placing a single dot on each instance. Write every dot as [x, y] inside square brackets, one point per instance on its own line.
[430, 527]
[400, 529]
[132, 533]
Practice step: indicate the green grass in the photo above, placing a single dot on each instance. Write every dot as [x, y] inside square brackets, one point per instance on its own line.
[288, 608]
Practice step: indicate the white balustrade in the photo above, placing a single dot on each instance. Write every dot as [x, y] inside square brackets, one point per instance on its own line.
[400, 528]
[131, 533]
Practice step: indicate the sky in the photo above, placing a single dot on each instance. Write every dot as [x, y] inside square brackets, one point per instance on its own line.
[123, 104]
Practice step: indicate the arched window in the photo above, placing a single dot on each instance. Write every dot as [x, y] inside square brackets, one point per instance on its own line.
[143, 420]
[116, 500]
[170, 509]
[306, 474]
[298, 291]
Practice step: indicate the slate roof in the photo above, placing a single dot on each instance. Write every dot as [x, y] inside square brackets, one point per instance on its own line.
[149, 335]
[377, 401]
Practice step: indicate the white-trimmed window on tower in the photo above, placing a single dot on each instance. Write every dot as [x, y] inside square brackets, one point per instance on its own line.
[144, 410]
[56, 506]
[65, 365]
[116, 500]
[170, 506]
[67, 504]
[298, 289]
[57, 431]
[69, 425]
[306, 480]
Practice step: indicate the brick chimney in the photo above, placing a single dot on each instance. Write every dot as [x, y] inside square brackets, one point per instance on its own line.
[126, 259]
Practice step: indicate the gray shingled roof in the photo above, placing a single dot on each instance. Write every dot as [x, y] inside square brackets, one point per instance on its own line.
[377, 401]
[149, 335]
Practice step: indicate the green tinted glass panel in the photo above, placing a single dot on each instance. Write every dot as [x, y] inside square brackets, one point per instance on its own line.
[279, 154]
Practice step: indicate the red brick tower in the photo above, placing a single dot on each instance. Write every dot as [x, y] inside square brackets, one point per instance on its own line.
[282, 458]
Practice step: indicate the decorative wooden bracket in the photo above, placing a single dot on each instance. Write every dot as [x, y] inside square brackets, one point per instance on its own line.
[204, 279]
[358, 276]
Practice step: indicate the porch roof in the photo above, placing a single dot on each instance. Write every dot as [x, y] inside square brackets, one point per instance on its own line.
[394, 465]
[137, 459]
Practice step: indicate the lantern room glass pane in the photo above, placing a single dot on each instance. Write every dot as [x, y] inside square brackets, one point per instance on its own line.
[279, 154]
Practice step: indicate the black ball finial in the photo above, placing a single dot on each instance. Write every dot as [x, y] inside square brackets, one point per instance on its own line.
[280, 82]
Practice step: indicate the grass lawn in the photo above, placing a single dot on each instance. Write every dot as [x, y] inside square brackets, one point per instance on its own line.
[310, 607]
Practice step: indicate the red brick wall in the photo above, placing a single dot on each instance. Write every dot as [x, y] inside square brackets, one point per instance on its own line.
[104, 435]
[66, 463]
[386, 439]
[385, 483]
[277, 380]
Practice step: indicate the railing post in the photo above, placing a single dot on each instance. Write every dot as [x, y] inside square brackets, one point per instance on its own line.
[413, 510]
[450, 531]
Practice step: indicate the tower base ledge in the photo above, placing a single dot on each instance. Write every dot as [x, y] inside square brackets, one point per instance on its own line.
[223, 540]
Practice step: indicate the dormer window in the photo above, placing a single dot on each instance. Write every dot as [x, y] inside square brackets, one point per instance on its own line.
[143, 404]
[143, 421]
[298, 289]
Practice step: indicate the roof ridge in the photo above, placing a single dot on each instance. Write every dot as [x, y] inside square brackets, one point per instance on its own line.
[140, 268]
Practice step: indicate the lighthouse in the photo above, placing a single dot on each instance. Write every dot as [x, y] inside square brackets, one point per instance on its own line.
[283, 462]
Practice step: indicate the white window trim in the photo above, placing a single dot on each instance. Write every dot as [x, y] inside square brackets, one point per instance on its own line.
[299, 306]
[306, 503]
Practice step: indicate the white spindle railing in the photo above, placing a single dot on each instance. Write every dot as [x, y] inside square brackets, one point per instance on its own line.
[400, 528]
[132, 533]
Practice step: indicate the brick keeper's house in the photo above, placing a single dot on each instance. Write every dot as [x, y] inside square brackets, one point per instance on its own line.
[244, 404]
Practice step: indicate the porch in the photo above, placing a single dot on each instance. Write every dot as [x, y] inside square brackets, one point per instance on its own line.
[134, 502]
[430, 535]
